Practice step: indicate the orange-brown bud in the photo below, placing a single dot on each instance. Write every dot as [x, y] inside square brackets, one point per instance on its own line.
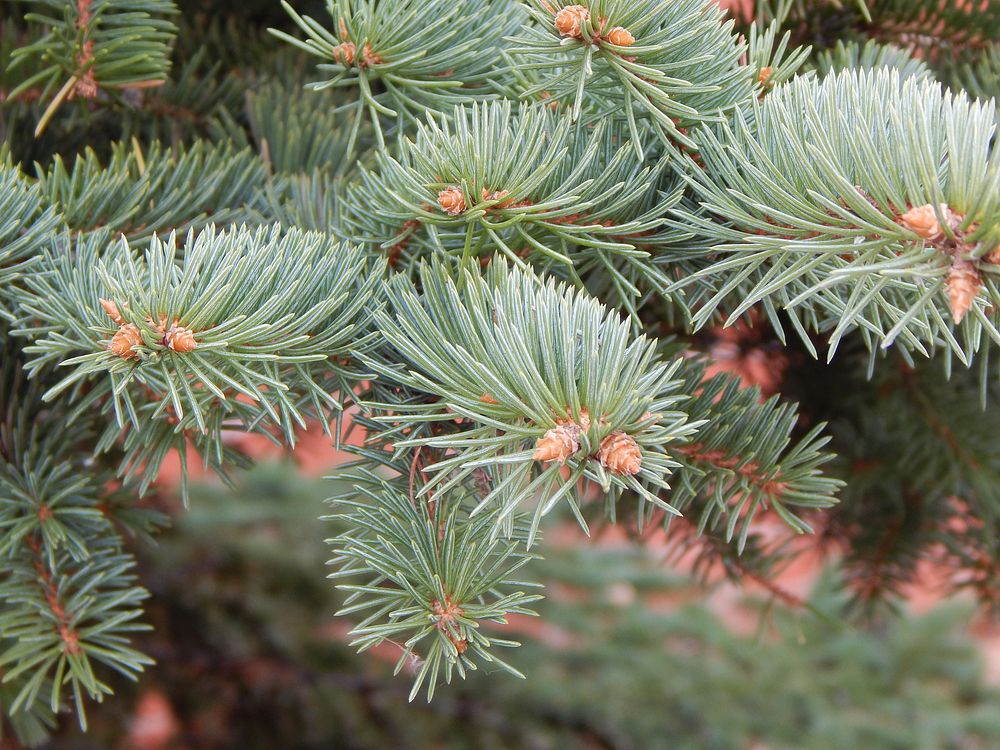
[620, 454]
[123, 341]
[452, 200]
[569, 20]
[558, 444]
[112, 310]
[963, 285]
[345, 52]
[621, 37]
[923, 220]
[180, 339]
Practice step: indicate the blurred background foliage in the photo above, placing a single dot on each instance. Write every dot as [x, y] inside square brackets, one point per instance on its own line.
[630, 655]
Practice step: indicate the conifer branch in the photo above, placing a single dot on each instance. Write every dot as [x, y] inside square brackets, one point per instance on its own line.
[846, 231]
[571, 389]
[253, 330]
[429, 575]
[408, 57]
[574, 200]
[94, 46]
[674, 64]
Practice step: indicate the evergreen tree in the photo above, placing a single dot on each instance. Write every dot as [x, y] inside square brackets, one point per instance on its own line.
[513, 239]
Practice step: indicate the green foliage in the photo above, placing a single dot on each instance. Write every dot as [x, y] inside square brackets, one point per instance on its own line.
[427, 55]
[743, 462]
[246, 622]
[558, 208]
[981, 77]
[300, 131]
[25, 223]
[683, 68]
[97, 45]
[69, 601]
[430, 573]
[909, 442]
[139, 193]
[871, 56]
[771, 57]
[308, 201]
[263, 357]
[517, 357]
[804, 201]
[573, 200]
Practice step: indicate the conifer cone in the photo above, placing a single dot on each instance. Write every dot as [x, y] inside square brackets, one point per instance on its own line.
[620, 454]
[123, 341]
[963, 284]
[558, 444]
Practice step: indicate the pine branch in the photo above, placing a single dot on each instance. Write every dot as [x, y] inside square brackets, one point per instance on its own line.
[252, 330]
[979, 76]
[301, 131]
[915, 447]
[142, 192]
[25, 225]
[861, 202]
[539, 385]
[872, 55]
[94, 46]
[308, 201]
[675, 64]
[430, 575]
[573, 200]
[408, 57]
[743, 461]
[935, 25]
[68, 599]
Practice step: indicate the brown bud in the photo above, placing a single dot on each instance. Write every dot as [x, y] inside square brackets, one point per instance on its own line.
[558, 444]
[621, 37]
[180, 339]
[160, 325]
[447, 615]
[570, 19]
[370, 56]
[488, 399]
[765, 75]
[584, 419]
[496, 195]
[112, 310]
[922, 220]
[620, 454]
[963, 285]
[123, 341]
[993, 256]
[345, 53]
[452, 200]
